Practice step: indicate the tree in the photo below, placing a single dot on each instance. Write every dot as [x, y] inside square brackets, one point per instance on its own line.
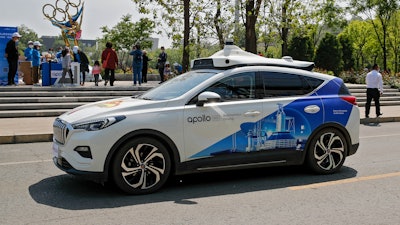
[328, 54]
[301, 48]
[27, 35]
[126, 34]
[286, 16]
[394, 40]
[359, 34]
[252, 10]
[383, 10]
[219, 21]
[347, 52]
[172, 14]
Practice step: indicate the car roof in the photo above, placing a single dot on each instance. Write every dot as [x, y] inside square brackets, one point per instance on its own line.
[232, 56]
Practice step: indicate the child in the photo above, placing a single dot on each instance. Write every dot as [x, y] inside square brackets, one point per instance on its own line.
[66, 65]
[167, 71]
[96, 71]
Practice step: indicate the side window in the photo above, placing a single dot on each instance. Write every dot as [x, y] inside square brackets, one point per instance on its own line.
[282, 85]
[236, 87]
[313, 82]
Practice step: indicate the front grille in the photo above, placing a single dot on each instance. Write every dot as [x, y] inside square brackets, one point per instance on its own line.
[64, 163]
[60, 131]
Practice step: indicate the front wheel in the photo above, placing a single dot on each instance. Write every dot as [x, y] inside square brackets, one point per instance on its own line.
[327, 151]
[141, 166]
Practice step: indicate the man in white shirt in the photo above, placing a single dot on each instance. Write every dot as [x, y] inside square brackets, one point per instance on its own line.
[374, 90]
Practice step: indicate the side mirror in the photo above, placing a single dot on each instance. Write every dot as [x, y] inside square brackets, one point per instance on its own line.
[207, 96]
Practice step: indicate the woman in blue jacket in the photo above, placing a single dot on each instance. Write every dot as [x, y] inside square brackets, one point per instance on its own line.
[36, 58]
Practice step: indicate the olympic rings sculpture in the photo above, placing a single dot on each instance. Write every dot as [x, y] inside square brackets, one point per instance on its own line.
[61, 8]
[60, 16]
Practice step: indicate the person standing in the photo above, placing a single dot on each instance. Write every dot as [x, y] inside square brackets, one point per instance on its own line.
[145, 66]
[11, 53]
[80, 57]
[59, 54]
[109, 60]
[66, 65]
[28, 51]
[137, 64]
[36, 61]
[374, 90]
[162, 58]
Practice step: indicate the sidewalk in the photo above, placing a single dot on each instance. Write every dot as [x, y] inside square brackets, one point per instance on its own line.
[40, 129]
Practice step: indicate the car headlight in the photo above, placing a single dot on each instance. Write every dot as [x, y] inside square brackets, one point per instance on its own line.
[99, 124]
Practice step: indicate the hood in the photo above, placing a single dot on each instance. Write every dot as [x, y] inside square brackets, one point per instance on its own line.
[113, 107]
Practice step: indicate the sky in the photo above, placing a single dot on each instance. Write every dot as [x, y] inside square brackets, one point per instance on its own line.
[97, 13]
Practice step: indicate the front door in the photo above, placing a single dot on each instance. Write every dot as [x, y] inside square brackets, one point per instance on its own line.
[225, 128]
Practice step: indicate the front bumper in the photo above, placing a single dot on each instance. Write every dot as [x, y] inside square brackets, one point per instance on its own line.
[65, 166]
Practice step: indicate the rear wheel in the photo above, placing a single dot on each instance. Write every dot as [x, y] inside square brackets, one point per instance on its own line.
[141, 166]
[327, 151]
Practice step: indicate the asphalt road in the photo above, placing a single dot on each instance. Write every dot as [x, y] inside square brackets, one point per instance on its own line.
[365, 191]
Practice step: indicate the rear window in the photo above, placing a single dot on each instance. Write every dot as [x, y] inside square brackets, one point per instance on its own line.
[344, 90]
[313, 82]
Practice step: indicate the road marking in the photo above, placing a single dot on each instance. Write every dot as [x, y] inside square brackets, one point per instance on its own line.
[379, 136]
[345, 181]
[25, 162]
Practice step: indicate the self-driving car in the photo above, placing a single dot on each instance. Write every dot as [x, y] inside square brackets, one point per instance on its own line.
[233, 110]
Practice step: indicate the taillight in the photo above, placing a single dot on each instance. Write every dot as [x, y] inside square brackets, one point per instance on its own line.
[350, 99]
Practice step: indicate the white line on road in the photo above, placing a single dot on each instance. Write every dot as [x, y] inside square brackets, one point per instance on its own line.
[25, 162]
[379, 136]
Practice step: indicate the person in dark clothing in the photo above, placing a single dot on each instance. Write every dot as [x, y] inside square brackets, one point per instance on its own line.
[137, 64]
[145, 66]
[11, 53]
[162, 58]
[81, 58]
[109, 60]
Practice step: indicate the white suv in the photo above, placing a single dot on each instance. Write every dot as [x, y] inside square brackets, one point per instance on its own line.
[233, 110]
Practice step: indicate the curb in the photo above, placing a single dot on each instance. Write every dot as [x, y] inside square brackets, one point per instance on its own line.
[27, 138]
[379, 120]
[32, 138]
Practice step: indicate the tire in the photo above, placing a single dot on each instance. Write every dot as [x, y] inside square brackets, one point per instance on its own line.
[141, 166]
[327, 151]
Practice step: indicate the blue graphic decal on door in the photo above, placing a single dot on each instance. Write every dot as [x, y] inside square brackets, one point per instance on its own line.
[283, 129]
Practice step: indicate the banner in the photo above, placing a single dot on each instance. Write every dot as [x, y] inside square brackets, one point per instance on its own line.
[51, 73]
[5, 36]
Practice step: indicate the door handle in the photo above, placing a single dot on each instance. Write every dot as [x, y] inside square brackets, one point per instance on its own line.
[312, 109]
[251, 113]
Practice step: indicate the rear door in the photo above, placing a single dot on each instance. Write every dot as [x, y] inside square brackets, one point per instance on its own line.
[292, 110]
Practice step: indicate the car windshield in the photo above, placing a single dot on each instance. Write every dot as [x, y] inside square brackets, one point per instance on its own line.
[177, 86]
